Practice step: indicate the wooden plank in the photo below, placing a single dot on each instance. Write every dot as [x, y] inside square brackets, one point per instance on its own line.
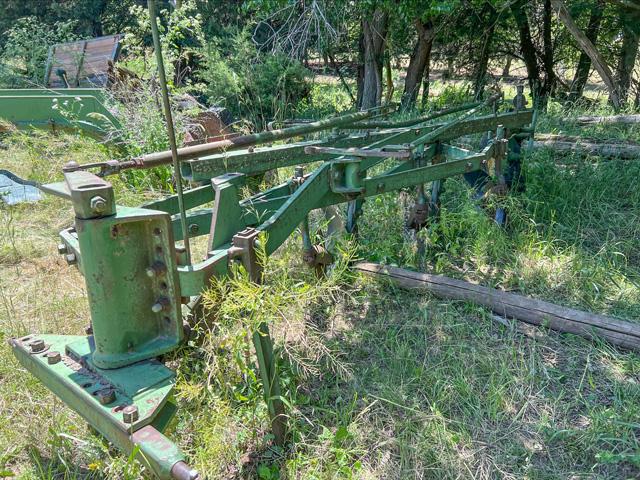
[530, 310]
[83, 59]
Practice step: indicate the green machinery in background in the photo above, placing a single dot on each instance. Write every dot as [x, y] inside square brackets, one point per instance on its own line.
[139, 275]
[58, 109]
[70, 98]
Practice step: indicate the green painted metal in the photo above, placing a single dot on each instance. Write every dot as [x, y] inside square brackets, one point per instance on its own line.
[65, 365]
[62, 109]
[137, 276]
[141, 273]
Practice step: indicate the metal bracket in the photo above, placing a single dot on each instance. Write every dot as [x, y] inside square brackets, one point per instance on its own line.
[92, 196]
[345, 176]
[244, 247]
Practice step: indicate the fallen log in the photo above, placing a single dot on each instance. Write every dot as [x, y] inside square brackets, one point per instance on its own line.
[510, 305]
[611, 119]
[562, 143]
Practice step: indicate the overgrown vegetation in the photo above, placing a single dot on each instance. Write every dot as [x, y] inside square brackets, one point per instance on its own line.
[379, 382]
[382, 383]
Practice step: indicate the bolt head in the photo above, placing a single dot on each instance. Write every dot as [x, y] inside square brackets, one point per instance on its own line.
[130, 414]
[62, 249]
[37, 346]
[194, 228]
[106, 396]
[157, 307]
[88, 330]
[71, 259]
[98, 204]
[53, 357]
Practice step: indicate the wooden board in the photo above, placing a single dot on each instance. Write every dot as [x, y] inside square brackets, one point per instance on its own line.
[510, 305]
[85, 62]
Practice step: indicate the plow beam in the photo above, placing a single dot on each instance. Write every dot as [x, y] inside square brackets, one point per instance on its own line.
[129, 406]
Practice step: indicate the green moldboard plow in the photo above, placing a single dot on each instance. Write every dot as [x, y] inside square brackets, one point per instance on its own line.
[137, 272]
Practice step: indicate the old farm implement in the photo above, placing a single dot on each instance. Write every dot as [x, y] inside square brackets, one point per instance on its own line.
[138, 273]
[73, 96]
[139, 269]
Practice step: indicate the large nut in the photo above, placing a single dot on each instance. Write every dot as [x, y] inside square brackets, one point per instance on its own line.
[53, 357]
[37, 346]
[71, 259]
[161, 304]
[106, 396]
[130, 414]
[98, 204]
[155, 270]
[62, 249]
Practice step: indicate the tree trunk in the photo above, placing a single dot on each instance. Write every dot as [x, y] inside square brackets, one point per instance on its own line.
[480, 75]
[418, 63]
[507, 67]
[526, 44]
[425, 84]
[628, 54]
[584, 63]
[388, 96]
[374, 31]
[612, 119]
[547, 57]
[587, 146]
[586, 46]
[360, 70]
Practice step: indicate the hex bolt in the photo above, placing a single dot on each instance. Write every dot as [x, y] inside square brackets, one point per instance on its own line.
[53, 357]
[89, 330]
[62, 249]
[130, 414]
[98, 204]
[71, 259]
[161, 304]
[106, 396]
[299, 171]
[155, 270]
[37, 346]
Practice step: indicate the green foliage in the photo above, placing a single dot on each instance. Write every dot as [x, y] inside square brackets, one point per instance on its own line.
[144, 130]
[252, 85]
[24, 56]
[181, 38]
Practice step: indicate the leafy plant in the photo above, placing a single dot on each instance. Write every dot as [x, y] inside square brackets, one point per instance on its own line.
[24, 56]
[250, 84]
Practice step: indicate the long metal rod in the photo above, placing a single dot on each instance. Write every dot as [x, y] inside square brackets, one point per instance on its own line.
[170, 130]
[411, 121]
[153, 160]
[195, 151]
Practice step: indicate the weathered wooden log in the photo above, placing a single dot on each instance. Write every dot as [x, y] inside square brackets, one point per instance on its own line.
[612, 119]
[510, 305]
[562, 143]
